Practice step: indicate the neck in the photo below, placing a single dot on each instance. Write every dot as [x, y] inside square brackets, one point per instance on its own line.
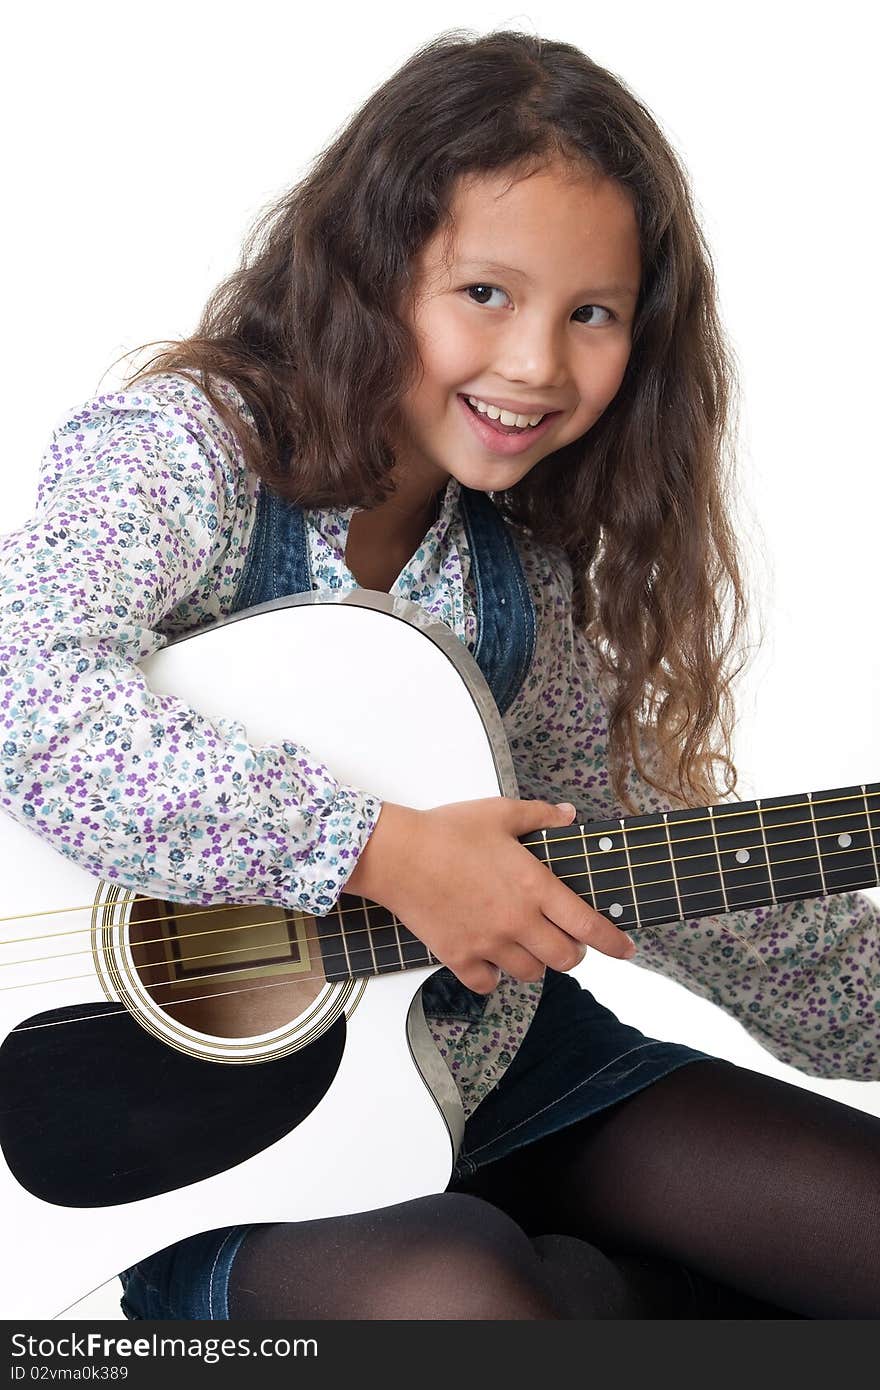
[398, 524]
[412, 507]
[382, 540]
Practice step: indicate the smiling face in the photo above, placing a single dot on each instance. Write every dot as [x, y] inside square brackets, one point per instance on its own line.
[527, 303]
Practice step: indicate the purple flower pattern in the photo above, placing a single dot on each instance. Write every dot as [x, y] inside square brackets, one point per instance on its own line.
[143, 518]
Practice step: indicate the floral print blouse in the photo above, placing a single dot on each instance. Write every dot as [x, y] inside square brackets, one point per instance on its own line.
[143, 518]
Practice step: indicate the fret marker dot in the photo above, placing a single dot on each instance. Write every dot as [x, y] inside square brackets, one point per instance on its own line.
[615, 910]
[743, 856]
[844, 840]
[605, 842]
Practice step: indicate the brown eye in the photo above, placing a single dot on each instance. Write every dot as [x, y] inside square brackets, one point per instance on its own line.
[482, 290]
[593, 308]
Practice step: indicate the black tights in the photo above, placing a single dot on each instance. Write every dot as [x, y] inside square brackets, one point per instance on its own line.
[716, 1192]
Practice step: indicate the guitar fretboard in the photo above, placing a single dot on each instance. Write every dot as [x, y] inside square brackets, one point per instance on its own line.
[360, 937]
[644, 871]
[650, 870]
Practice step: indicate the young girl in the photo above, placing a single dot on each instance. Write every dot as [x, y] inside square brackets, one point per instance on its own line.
[491, 285]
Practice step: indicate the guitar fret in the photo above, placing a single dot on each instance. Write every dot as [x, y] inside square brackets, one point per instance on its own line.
[650, 870]
[793, 852]
[846, 848]
[818, 847]
[870, 833]
[629, 870]
[384, 939]
[766, 851]
[743, 855]
[603, 886]
[358, 946]
[718, 859]
[370, 939]
[625, 883]
[342, 934]
[335, 959]
[610, 874]
[415, 952]
[563, 850]
[698, 876]
[397, 940]
[672, 864]
[360, 937]
[592, 898]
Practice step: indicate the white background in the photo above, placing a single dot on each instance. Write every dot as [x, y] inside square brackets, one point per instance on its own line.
[141, 142]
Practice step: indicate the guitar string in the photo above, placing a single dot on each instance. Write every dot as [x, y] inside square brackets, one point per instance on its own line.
[194, 999]
[328, 939]
[351, 911]
[580, 834]
[353, 931]
[224, 974]
[195, 910]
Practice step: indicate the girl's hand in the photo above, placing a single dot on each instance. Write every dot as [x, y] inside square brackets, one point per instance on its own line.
[457, 877]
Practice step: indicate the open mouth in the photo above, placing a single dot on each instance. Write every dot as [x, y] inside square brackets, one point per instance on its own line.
[497, 425]
[505, 439]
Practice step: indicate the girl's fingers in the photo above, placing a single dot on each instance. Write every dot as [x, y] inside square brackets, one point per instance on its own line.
[482, 977]
[521, 963]
[576, 918]
[554, 947]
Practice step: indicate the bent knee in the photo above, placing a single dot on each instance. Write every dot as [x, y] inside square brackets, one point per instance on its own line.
[480, 1264]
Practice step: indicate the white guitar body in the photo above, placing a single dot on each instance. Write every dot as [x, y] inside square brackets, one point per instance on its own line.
[393, 703]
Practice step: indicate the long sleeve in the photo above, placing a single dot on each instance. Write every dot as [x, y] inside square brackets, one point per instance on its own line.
[803, 978]
[140, 532]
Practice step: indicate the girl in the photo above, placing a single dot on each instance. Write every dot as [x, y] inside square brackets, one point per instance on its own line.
[491, 284]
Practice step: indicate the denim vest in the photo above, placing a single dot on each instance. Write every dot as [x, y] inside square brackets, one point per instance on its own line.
[277, 566]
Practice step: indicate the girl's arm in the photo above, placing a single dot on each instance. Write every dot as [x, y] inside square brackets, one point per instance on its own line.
[803, 978]
[141, 530]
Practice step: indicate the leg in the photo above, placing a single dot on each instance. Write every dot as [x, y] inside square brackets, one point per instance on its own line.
[765, 1187]
[446, 1257]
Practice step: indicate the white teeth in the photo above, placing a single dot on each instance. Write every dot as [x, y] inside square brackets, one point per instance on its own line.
[506, 417]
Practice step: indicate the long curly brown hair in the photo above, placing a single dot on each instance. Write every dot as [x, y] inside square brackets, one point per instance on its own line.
[307, 330]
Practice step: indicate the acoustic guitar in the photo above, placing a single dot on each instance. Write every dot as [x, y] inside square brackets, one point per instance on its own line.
[170, 1067]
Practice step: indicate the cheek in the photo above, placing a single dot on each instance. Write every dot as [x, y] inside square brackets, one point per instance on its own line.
[450, 354]
[600, 381]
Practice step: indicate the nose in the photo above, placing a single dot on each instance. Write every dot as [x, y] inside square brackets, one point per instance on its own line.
[532, 352]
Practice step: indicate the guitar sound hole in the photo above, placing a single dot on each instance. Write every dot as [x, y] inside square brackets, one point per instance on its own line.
[228, 971]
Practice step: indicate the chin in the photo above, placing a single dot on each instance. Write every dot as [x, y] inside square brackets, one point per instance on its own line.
[496, 480]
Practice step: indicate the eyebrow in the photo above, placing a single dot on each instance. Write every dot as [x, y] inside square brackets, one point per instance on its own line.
[604, 290]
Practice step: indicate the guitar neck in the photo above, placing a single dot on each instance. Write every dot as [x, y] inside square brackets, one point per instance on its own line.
[643, 871]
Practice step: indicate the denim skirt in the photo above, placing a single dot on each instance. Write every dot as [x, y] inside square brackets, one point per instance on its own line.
[576, 1059]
